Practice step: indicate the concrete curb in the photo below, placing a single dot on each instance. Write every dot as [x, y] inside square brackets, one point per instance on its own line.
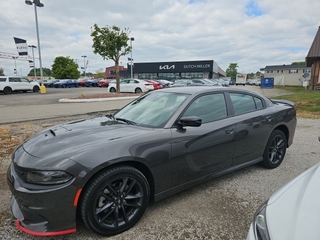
[71, 100]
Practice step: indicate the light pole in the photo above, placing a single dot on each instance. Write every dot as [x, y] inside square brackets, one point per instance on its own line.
[131, 40]
[34, 64]
[84, 64]
[36, 4]
[15, 65]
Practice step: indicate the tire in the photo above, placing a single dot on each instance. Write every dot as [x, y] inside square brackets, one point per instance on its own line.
[36, 89]
[115, 200]
[138, 90]
[112, 89]
[275, 150]
[7, 90]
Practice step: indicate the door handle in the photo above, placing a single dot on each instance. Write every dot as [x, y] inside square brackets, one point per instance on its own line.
[268, 118]
[229, 132]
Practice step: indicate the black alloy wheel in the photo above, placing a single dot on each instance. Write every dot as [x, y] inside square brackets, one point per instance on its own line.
[115, 200]
[36, 89]
[275, 149]
[7, 90]
[138, 90]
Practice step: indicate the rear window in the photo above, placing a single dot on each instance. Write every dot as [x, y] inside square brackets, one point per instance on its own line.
[244, 103]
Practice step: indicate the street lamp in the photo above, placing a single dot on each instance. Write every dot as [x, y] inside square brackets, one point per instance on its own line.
[84, 64]
[34, 64]
[131, 40]
[15, 65]
[36, 4]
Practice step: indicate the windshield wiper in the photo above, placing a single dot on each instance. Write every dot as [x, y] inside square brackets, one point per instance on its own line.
[126, 121]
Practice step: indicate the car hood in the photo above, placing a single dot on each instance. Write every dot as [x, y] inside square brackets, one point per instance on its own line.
[293, 212]
[65, 140]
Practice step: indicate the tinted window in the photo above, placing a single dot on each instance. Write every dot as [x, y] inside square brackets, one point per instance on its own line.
[209, 107]
[3, 79]
[258, 102]
[14, 80]
[244, 103]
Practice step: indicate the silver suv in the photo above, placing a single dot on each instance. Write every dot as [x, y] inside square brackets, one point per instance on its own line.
[9, 84]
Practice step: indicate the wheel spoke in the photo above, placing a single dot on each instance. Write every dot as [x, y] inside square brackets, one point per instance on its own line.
[116, 217]
[131, 186]
[99, 210]
[134, 196]
[112, 190]
[106, 215]
[124, 184]
[125, 216]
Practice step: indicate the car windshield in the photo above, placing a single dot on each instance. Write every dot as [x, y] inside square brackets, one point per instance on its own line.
[152, 110]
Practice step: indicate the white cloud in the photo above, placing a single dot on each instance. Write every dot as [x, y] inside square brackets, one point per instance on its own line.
[251, 33]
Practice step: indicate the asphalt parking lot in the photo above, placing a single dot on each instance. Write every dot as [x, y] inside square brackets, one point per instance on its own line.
[221, 208]
[19, 107]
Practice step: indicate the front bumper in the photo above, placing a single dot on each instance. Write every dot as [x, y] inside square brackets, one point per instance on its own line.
[42, 212]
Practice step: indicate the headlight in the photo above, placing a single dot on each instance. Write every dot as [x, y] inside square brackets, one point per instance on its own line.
[260, 223]
[47, 177]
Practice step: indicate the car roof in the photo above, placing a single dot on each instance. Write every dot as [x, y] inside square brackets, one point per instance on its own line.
[203, 89]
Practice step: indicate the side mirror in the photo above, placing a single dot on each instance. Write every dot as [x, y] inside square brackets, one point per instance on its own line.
[190, 121]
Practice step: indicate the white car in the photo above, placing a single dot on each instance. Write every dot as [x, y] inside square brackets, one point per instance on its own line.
[9, 84]
[131, 85]
[292, 212]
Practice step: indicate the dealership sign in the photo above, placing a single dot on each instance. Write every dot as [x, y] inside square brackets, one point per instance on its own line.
[176, 67]
[166, 67]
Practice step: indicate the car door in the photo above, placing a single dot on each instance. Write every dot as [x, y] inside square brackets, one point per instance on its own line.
[254, 123]
[124, 85]
[15, 83]
[26, 84]
[201, 151]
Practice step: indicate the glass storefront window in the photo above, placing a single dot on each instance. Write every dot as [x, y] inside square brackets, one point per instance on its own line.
[192, 75]
[147, 76]
[169, 76]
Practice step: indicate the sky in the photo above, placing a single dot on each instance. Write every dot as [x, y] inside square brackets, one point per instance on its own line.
[251, 33]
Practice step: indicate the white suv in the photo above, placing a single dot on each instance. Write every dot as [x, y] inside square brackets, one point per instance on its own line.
[9, 84]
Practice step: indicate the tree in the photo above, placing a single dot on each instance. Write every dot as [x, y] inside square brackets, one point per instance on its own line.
[100, 74]
[232, 70]
[45, 71]
[65, 68]
[299, 63]
[1, 71]
[111, 43]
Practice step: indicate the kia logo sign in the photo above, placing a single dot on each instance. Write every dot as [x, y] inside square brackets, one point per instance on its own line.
[166, 67]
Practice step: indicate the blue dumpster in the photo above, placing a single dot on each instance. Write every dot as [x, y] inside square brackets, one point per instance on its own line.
[267, 82]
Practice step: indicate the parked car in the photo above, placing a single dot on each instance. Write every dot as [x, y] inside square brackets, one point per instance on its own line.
[108, 169]
[9, 84]
[131, 85]
[82, 82]
[91, 83]
[164, 83]
[292, 212]
[258, 82]
[66, 83]
[103, 83]
[251, 82]
[189, 82]
[156, 85]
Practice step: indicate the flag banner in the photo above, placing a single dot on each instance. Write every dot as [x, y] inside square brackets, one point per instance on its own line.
[130, 59]
[21, 45]
[31, 64]
[13, 55]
